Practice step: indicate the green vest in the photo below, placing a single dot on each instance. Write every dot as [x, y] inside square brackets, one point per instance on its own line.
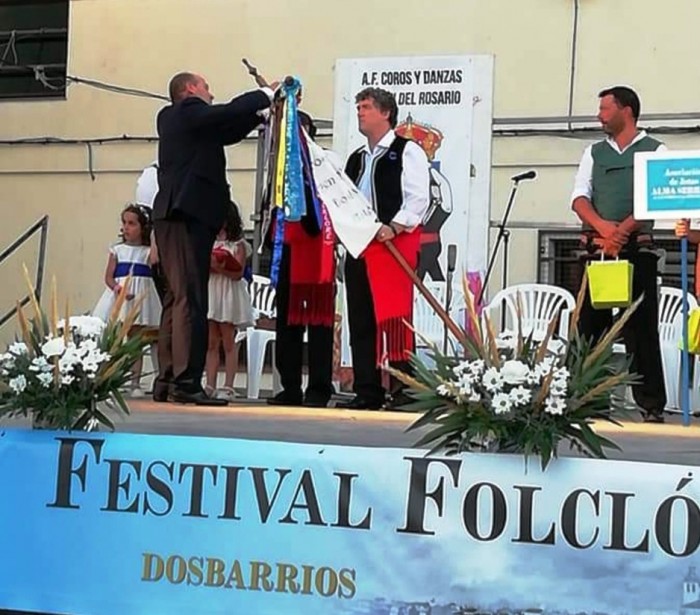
[613, 179]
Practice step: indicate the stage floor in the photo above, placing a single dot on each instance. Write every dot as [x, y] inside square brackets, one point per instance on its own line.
[252, 419]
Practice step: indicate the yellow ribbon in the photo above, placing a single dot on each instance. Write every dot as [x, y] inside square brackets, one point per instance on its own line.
[281, 160]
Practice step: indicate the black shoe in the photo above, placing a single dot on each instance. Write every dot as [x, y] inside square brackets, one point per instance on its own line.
[397, 401]
[359, 403]
[161, 390]
[161, 395]
[199, 398]
[283, 398]
[314, 401]
[653, 417]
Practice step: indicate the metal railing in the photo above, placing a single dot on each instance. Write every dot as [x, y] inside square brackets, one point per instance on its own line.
[42, 226]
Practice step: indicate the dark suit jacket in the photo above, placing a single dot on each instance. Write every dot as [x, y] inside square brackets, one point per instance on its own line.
[191, 160]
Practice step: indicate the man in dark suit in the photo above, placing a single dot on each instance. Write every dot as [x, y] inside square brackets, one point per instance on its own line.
[188, 212]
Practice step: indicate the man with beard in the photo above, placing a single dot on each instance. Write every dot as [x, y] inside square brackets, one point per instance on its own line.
[603, 198]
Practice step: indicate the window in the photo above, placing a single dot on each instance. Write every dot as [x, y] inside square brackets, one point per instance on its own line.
[33, 48]
[558, 262]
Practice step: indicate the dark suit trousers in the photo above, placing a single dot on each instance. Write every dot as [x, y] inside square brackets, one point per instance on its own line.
[363, 335]
[185, 248]
[640, 334]
[289, 346]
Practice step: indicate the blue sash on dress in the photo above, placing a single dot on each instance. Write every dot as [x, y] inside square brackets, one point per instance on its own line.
[137, 270]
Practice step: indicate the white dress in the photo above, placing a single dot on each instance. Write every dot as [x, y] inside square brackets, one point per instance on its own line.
[229, 300]
[132, 259]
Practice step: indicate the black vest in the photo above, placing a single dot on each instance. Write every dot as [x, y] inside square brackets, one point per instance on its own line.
[387, 196]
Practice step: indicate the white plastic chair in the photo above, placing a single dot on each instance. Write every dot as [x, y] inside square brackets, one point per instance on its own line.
[670, 334]
[263, 296]
[540, 303]
[428, 325]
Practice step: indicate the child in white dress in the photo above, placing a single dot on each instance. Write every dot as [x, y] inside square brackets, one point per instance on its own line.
[230, 307]
[132, 256]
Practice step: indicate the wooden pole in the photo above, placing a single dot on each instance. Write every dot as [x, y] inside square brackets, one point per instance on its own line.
[430, 298]
[253, 72]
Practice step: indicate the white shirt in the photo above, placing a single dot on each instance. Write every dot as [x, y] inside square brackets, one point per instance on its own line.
[147, 185]
[415, 179]
[583, 184]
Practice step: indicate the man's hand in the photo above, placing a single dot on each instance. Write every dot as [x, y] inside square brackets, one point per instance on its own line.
[609, 247]
[682, 227]
[398, 228]
[606, 228]
[385, 233]
[620, 236]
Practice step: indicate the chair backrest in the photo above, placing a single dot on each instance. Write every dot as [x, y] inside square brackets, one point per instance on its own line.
[426, 322]
[263, 296]
[540, 304]
[671, 313]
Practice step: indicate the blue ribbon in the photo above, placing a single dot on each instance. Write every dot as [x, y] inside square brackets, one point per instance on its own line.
[277, 248]
[137, 270]
[248, 273]
[294, 202]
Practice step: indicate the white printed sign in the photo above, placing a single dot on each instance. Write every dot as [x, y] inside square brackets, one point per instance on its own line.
[353, 219]
[445, 105]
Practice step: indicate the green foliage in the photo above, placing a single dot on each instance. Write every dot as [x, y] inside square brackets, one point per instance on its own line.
[516, 394]
[64, 373]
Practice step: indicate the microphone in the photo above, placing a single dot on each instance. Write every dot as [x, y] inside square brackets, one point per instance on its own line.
[531, 174]
[451, 256]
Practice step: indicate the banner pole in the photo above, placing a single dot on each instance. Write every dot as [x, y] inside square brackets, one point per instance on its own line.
[685, 366]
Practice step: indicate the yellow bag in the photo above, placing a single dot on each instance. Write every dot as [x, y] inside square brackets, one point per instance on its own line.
[693, 332]
[610, 283]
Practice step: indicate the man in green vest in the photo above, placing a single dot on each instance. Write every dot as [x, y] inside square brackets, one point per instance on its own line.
[603, 198]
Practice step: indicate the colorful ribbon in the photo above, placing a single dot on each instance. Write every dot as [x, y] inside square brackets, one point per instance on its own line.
[294, 201]
[277, 245]
[280, 160]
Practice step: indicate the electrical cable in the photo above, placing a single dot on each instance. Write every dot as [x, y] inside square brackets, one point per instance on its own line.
[39, 71]
[572, 67]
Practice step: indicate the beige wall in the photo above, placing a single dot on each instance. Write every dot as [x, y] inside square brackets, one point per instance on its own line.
[141, 43]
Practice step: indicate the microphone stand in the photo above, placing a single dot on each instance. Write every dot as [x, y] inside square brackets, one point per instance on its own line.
[451, 264]
[503, 236]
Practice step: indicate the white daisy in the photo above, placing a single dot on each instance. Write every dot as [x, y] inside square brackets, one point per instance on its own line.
[501, 403]
[443, 390]
[493, 381]
[18, 349]
[476, 367]
[520, 396]
[555, 405]
[18, 384]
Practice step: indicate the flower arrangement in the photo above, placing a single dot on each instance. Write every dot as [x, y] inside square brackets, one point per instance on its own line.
[63, 373]
[510, 392]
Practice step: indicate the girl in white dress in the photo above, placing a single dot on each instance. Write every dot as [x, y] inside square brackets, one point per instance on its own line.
[132, 256]
[230, 307]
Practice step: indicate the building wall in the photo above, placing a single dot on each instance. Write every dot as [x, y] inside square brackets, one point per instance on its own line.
[141, 43]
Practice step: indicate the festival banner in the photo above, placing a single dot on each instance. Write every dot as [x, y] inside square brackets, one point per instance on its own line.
[445, 105]
[121, 524]
[666, 185]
